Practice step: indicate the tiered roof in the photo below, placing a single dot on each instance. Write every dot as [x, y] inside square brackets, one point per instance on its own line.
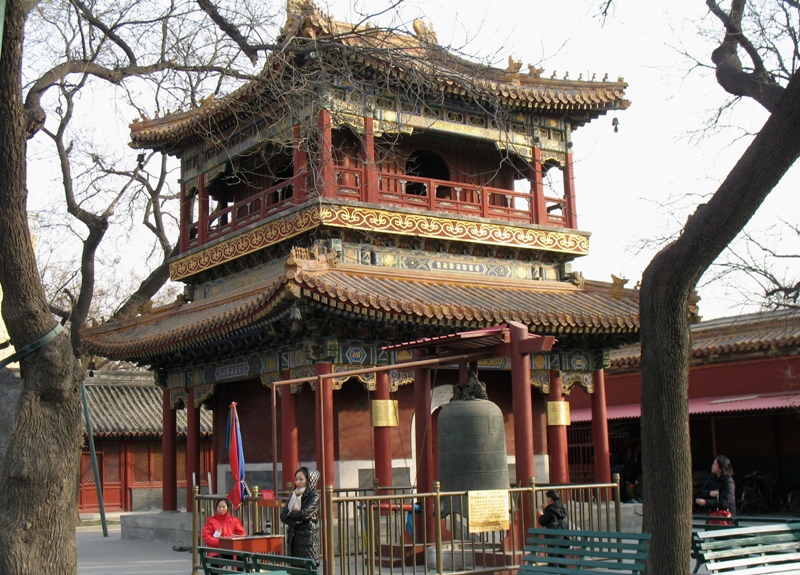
[389, 58]
[372, 294]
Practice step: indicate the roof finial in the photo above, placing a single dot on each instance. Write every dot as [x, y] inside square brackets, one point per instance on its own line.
[423, 32]
[534, 72]
[513, 65]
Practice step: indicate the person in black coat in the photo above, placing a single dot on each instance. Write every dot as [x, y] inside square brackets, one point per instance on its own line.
[554, 515]
[301, 516]
[718, 492]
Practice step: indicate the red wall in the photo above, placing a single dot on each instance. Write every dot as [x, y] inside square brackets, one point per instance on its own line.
[766, 375]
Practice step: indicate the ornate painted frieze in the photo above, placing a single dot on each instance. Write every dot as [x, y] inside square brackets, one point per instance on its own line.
[239, 280]
[352, 354]
[420, 260]
[570, 379]
[245, 243]
[203, 392]
[377, 220]
[540, 380]
[577, 361]
[428, 226]
[178, 398]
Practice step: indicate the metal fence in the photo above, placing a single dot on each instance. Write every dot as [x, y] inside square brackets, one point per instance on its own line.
[405, 533]
[396, 531]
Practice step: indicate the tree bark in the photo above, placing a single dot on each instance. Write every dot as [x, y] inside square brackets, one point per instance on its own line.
[667, 284]
[39, 469]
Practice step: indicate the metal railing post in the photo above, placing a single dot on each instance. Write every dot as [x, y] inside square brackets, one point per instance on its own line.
[617, 502]
[532, 519]
[437, 513]
[195, 526]
[330, 562]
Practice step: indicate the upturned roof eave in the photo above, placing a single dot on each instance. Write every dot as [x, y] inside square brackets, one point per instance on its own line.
[559, 311]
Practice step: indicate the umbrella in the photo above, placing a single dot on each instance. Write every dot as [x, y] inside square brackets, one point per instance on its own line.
[239, 491]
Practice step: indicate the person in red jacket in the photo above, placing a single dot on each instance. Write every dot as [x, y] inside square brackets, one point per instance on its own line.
[222, 524]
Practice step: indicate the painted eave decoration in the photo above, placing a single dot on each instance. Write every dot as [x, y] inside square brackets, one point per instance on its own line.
[372, 295]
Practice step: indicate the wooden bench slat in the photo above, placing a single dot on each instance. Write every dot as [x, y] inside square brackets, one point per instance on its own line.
[756, 560]
[750, 550]
[597, 551]
[764, 569]
[249, 562]
[588, 553]
[749, 530]
[287, 564]
[766, 549]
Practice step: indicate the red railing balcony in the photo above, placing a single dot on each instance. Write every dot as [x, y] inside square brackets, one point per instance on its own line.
[221, 222]
[442, 196]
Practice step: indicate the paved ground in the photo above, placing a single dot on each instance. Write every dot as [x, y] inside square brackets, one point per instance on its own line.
[112, 555]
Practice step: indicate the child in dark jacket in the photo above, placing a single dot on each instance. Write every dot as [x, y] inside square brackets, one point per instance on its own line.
[554, 515]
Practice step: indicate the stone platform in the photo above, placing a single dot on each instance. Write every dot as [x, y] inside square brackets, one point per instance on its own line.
[169, 526]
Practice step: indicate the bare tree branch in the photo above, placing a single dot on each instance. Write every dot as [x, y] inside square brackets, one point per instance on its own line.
[232, 31]
[731, 75]
[109, 33]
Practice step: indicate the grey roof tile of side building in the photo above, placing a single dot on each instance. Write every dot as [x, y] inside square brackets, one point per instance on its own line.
[129, 404]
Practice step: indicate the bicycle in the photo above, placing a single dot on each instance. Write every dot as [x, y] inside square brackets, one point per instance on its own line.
[758, 494]
[793, 501]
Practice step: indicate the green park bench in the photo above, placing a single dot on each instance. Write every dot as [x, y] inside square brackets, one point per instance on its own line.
[704, 522]
[601, 551]
[262, 562]
[750, 550]
[248, 562]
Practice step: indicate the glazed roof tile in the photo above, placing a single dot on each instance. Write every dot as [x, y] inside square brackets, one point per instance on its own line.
[547, 308]
[122, 406]
[405, 58]
[129, 404]
[763, 332]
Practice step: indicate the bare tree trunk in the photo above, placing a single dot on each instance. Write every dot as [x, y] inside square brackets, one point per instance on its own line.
[667, 284]
[38, 472]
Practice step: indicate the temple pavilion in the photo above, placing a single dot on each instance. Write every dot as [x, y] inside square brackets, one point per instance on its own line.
[370, 188]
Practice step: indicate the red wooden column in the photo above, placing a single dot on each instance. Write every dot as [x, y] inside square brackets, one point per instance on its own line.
[202, 217]
[557, 436]
[522, 404]
[538, 206]
[571, 211]
[183, 242]
[324, 413]
[327, 184]
[602, 455]
[192, 446]
[324, 420]
[289, 443]
[169, 471]
[520, 347]
[424, 441]
[300, 164]
[382, 436]
[370, 184]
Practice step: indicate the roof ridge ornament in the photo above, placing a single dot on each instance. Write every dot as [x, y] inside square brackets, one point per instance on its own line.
[423, 32]
[317, 258]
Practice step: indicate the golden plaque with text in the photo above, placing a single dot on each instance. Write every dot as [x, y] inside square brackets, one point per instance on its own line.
[488, 510]
[384, 413]
[558, 413]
